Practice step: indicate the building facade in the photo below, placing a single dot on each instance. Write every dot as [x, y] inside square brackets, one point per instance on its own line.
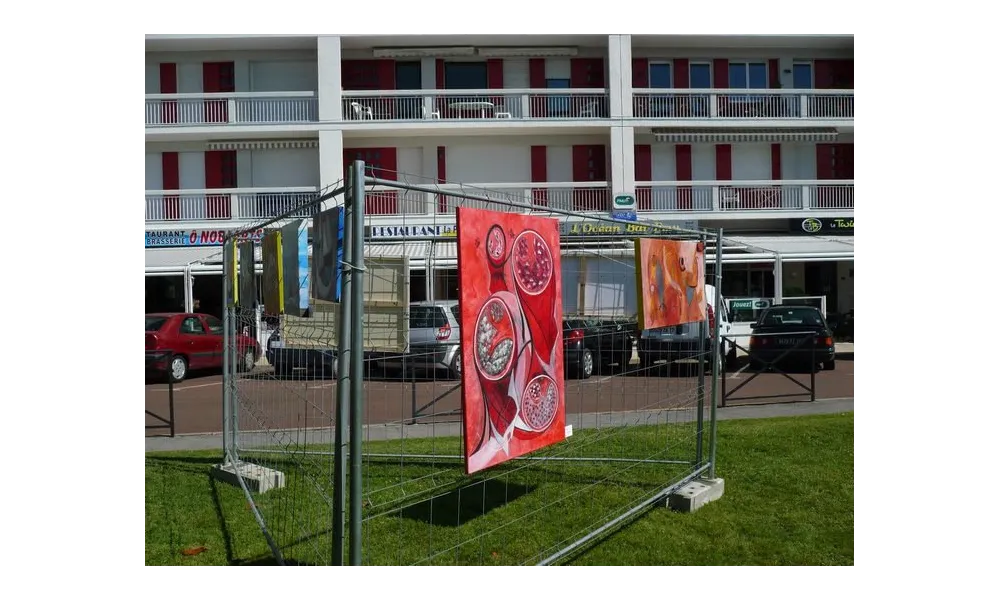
[750, 133]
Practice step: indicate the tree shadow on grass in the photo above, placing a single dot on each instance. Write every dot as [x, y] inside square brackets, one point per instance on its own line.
[465, 503]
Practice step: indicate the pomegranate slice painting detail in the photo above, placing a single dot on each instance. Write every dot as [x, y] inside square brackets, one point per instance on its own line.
[532, 266]
[510, 289]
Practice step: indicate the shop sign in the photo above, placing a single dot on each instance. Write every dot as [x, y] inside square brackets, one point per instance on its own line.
[623, 208]
[401, 232]
[570, 228]
[164, 238]
[821, 226]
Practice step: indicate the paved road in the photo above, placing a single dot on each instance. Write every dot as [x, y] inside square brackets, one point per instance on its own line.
[271, 403]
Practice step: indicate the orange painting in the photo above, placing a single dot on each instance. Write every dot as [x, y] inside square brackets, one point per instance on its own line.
[670, 275]
[510, 290]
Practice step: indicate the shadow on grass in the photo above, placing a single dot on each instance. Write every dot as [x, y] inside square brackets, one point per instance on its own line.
[460, 506]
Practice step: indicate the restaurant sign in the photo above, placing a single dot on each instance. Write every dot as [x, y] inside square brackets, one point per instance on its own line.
[166, 238]
[571, 228]
[402, 232]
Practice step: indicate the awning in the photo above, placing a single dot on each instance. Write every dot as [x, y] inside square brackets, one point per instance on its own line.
[793, 247]
[736, 135]
[262, 144]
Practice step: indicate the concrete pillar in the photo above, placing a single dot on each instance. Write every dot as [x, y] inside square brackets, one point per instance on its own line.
[778, 281]
[620, 75]
[330, 93]
[622, 161]
[331, 161]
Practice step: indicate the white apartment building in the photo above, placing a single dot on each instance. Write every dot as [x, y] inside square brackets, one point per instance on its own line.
[750, 133]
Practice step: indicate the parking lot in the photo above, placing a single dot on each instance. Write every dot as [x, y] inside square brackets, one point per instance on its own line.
[310, 402]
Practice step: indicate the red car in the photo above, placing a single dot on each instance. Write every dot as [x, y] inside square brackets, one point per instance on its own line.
[179, 342]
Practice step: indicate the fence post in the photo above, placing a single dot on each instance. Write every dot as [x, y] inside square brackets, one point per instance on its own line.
[357, 347]
[227, 367]
[170, 398]
[702, 330]
[715, 348]
[344, 360]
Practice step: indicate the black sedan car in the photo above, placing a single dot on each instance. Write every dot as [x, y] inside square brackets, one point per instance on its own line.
[590, 344]
[792, 334]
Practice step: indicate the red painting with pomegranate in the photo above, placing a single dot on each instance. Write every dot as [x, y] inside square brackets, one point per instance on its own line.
[510, 288]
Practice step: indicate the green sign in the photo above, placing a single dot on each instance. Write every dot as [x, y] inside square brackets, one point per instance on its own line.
[625, 201]
[749, 304]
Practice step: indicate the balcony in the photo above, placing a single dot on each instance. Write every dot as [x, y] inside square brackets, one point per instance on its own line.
[245, 204]
[455, 105]
[591, 196]
[743, 104]
[744, 196]
[260, 108]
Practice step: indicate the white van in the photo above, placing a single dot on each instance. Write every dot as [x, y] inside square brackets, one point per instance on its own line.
[680, 342]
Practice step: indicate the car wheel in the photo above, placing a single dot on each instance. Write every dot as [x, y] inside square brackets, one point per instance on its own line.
[456, 365]
[586, 364]
[178, 369]
[830, 365]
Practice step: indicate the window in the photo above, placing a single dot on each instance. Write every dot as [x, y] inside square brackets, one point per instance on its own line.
[456, 313]
[701, 76]
[408, 75]
[802, 76]
[214, 325]
[155, 323]
[660, 75]
[465, 76]
[192, 325]
[558, 106]
[745, 76]
[427, 317]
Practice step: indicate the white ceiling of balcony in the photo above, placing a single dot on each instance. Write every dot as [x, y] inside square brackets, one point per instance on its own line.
[736, 135]
[209, 42]
[412, 41]
[833, 42]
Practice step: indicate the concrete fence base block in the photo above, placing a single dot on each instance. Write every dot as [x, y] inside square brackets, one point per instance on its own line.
[696, 494]
[258, 479]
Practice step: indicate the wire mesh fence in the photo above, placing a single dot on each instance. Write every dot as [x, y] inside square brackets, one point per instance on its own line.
[351, 432]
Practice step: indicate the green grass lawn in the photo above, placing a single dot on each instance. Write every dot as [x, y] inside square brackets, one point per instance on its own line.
[789, 501]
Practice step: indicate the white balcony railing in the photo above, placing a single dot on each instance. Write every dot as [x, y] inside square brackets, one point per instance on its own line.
[574, 196]
[740, 196]
[247, 204]
[168, 110]
[742, 104]
[415, 105]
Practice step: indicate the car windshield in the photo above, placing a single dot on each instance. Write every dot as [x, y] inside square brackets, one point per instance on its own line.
[454, 311]
[791, 316]
[155, 323]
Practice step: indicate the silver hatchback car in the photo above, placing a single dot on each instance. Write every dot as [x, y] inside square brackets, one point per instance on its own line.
[434, 339]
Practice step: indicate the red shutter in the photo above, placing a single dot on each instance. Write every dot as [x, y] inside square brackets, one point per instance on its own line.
[773, 74]
[385, 73]
[219, 174]
[494, 73]
[171, 181]
[720, 73]
[640, 72]
[682, 73]
[536, 80]
[217, 78]
[724, 162]
[589, 164]
[360, 75]
[586, 73]
[381, 163]
[776, 162]
[439, 74]
[442, 177]
[643, 173]
[824, 161]
[682, 157]
[168, 85]
[539, 174]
